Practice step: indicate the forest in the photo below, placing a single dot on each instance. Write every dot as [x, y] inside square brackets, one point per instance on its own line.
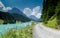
[50, 13]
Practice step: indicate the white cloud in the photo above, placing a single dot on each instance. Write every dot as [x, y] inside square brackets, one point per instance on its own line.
[38, 15]
[27, 11]
[3, 8]
[7, 9]
[1, 4]
[36, 12]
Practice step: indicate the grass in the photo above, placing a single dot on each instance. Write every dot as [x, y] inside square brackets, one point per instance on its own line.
[19, 33]
[52, 23]
[17, 22]
[1, 21]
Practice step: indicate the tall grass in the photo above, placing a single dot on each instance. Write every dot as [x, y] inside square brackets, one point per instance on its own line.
[19, 33]
[52, 23]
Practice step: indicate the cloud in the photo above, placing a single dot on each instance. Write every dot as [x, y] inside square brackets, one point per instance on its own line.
[6, 9]
[38, 15]
[27, 11]
[1, 4]
[35, 11]
[3, 8]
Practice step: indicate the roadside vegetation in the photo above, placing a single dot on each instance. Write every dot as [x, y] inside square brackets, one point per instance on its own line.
[25, 32]
[52, 23]
[1, 21]
[51, 13]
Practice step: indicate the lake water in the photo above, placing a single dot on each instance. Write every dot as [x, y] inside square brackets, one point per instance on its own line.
[6, 27]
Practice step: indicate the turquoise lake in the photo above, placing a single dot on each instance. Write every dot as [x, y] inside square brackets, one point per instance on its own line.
[6, 27]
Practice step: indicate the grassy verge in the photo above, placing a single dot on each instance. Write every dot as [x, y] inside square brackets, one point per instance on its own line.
[52, 23]
[19, 33]
[1, 21]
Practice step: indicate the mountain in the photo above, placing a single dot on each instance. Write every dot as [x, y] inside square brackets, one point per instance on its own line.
[19, 15]
[17, 11]
[33, 17]
[7, 17]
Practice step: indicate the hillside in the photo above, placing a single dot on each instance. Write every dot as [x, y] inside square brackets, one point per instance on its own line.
[19, 15]
[51, 13]
[7, 17]
[49, 9]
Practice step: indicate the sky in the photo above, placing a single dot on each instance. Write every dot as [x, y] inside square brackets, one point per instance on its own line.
[21, 4]
[28, 7]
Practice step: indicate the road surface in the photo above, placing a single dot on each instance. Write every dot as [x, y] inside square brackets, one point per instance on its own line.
[40, 31]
